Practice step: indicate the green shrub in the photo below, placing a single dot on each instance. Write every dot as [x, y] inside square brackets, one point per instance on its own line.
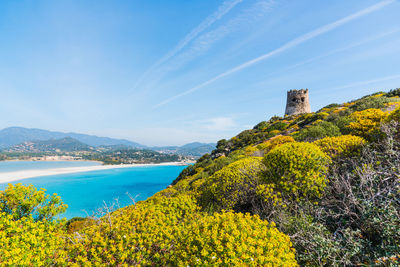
[317, 246]
[309, 118]
[234, 186]
[376, 102]
[262, 125]
[341, 122]
[394, 93]
[317, 131]
[295, 171]
[394, 115]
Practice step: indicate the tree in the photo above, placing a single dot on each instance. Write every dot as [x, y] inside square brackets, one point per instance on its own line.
[26, 201]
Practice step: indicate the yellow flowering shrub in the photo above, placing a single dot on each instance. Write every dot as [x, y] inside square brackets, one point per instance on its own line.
[294, 170]
[274, 142]
[250, 150]
[394, 115]
[232, 239]
[344, 145]
[25, 242]
[22, 201]
[275, 132]
[143, 234]
[367, 122]
[233, 185]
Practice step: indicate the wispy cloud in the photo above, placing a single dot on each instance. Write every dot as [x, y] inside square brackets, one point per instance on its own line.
[333, 52]
[362, 83]
[293, 43]
[206, 40]
[223, 9]
[218, 124]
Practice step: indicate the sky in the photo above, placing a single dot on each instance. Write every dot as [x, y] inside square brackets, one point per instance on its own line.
[172, 72]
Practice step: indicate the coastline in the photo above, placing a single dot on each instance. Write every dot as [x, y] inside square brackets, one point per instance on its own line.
[7, 177]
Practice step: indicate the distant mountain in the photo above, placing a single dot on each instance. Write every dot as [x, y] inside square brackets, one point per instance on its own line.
[195, 149]
[17, 135]
[66, 144]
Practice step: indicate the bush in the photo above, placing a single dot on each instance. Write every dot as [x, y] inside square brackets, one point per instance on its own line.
[233, 239]
[262, 125]
[394, 115]
[367, 123]
[25, 242]
[295, 171]
[317, 246]
[274, 142]
[309, 118]
[363, 195]
[371, 102]
[277, 126]
[26, 201]
[344, 145]
[78, 223]
[341, 122]
[234, 186]
[317, 131]
[143, 234]
[394, 93]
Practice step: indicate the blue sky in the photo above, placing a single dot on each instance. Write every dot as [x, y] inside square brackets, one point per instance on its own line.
[177, 71]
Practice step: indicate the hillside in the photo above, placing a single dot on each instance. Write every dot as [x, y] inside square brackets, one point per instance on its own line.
[194, 149]
[66, 144]
[132, 155]
[17, 135]
[13, 138]
[315, 189]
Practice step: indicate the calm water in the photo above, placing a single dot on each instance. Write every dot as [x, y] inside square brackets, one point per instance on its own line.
[87, 191]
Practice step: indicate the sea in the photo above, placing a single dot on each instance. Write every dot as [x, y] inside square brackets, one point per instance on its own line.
[91, 193]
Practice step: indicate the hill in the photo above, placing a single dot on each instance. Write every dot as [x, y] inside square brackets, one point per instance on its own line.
[17, 135]
[132, 155]
[194, 149]
[13, 136]
[66, 144]
[314, 189]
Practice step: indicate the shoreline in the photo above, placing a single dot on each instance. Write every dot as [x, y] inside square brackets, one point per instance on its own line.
[7, 177]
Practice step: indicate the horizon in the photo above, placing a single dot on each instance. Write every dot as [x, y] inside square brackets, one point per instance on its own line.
[160, 74]
[144, 146]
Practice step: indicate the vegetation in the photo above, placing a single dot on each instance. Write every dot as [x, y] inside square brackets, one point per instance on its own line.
[26, 201]
[318, 189]
[109, 155]
[295, 170]
[129, 156]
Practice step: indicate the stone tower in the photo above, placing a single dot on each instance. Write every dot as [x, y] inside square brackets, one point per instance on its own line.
[297, 102]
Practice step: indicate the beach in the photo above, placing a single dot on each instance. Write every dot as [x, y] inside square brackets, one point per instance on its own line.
[6, 177]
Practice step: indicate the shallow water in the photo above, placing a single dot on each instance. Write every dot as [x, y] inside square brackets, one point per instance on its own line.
[22, 165]
[86, 192]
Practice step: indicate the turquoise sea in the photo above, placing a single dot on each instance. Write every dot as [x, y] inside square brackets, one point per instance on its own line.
[21, 165]
[86, 192]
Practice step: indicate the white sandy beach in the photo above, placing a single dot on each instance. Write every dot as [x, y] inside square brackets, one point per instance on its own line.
[6, 177]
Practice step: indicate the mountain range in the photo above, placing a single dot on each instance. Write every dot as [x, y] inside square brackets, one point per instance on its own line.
[38, 140]
[17, 135]
[66, 144]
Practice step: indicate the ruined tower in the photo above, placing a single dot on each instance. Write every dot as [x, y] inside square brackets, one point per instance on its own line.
[297, 102]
